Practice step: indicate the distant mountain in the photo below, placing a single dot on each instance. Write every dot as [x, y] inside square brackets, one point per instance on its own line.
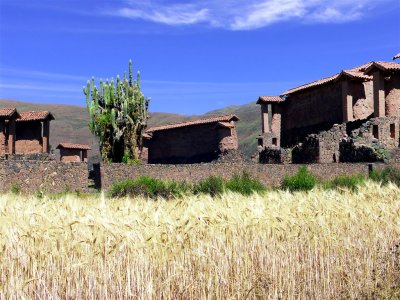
[71, 123]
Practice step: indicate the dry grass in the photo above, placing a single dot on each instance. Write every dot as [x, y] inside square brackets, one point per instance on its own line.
[320, 245]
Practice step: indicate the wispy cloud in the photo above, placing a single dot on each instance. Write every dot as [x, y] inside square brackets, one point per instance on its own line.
[247, 15]
[175, 14]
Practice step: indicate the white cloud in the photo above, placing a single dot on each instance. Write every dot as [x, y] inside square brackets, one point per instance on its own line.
[250, 14]
[268, 12]
[178, 14]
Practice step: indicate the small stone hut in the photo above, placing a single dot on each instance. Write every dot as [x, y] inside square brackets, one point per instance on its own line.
[198, 141]
[32, 133]
[73, 152]
[24, 133]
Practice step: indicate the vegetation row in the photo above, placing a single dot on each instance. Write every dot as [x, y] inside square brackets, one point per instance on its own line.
[244, 184]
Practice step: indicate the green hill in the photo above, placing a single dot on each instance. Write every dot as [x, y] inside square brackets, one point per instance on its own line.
[70, 124]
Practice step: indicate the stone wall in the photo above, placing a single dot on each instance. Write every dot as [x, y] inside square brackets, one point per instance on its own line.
[270, 175]
[46, 176]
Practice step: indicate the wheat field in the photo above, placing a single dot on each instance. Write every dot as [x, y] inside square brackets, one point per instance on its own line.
[316, 245]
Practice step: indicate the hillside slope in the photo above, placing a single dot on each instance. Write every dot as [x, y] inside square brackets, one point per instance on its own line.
[70, 124]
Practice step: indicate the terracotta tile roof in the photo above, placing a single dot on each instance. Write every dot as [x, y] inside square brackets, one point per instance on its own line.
[215, 119]
[35, 116]
[73, 146]
[8, 112]
[385, 66]
[396, 56]
[226, 124]
[269, 99]
[311, 85]
[355, 70]
[354, 74]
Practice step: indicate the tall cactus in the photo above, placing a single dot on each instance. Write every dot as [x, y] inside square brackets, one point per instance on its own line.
[118, 116]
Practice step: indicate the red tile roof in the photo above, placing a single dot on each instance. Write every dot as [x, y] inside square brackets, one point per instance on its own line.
[354, 74]
[385, 66]
[396, 56]
[355, 70]
[226, 124]
[35, 116]
[269, 99]
[73, 146]
[215, 119]
[8, 112]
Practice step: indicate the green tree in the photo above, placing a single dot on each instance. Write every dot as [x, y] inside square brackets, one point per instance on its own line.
[118, 116]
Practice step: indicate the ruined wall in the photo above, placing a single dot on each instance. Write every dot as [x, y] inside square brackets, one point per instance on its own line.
[372, 140]
[329, 150]
[68, 155]
[191, 144]
[383, 130]
[28, 137]
[310, 112]
[363, 99]
[46, 176]
[392, 95]
[270, 175]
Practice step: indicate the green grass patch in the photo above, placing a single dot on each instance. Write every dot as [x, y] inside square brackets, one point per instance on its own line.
[386, 175]
[244, 184]
[303, 180]
[149, 187]
[351, 182]
[213, 185]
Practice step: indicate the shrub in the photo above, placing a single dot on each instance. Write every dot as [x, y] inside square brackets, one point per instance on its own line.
[350, 182]
[149, 187]
[213, 185]
[244, 184]
[302, 181]
[16, 189]
[386, 175]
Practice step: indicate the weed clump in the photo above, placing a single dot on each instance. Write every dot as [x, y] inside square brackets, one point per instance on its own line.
[212, 185]
[244, 184]
[148, 187]
[303, 180]
[16, 189]
[351, 182]
[386, 175]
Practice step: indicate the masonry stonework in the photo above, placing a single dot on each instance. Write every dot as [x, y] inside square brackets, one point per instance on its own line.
[45, 176]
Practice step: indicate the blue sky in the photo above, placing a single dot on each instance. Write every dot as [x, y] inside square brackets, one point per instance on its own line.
[194, 56]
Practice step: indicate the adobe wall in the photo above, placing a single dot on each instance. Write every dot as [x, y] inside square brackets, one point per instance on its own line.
[270, 175]
[363, 99]
[28, 138]
[310, 112]
[392, 95]
[47, 176]
[191, 144]
[70, 155]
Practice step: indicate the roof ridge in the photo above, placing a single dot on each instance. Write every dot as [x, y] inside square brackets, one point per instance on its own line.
[211, 119]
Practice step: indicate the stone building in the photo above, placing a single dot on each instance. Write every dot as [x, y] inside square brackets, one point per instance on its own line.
[350, 116]
[73, 152]
[24, 133]
[196, 141]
